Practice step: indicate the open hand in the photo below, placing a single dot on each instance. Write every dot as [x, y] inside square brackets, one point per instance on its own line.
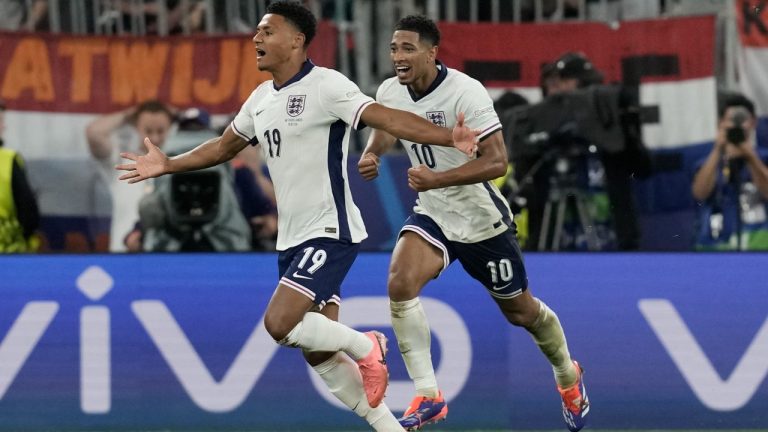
[422, 179]
[152, 164]
[368, 166]
[464, 138]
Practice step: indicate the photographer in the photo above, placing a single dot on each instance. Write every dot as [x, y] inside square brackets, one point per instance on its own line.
[731, 184]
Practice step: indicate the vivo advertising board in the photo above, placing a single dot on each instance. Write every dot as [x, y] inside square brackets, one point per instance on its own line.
[176, 342]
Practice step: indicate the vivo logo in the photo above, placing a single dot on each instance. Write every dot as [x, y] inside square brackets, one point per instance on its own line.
[714, 392]
[185, 363]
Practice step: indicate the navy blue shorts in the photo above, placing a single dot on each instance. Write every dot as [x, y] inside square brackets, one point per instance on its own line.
[497, 262]
[317, 267]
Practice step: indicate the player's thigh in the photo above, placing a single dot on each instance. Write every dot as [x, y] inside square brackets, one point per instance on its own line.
[414, 262]
[311, 276]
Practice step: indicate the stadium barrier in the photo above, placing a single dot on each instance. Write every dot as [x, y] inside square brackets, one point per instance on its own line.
[176, 342]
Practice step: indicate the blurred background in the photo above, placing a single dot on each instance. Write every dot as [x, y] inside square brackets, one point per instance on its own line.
[631, 126]
[627, 92]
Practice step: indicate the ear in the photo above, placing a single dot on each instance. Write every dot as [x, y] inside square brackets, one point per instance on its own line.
[433, 53]
[298, 40]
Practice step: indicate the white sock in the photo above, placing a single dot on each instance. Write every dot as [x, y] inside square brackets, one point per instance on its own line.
[414, 340]
[318, 333]
[342, 376]
[549, 336]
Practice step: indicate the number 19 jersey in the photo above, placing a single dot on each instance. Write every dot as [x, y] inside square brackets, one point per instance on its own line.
[303, 129]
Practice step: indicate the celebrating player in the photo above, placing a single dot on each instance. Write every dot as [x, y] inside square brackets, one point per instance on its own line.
[302, 119]
[460, 215]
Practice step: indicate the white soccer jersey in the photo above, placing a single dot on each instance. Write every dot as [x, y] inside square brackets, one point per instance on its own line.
[469, 213]
[303, 130]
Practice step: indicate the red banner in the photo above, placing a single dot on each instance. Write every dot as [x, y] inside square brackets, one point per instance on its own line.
[102, 74]
[511, 55]
[752, 19]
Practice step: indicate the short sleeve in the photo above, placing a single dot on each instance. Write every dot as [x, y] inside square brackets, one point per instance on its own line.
[344, 100]
[242, 124]
[477, 106]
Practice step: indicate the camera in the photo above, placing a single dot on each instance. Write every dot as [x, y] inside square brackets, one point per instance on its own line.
[195, 197]
[569, 123]
[737, 134]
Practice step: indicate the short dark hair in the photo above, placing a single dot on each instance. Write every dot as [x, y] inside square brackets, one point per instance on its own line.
[729, 100]
[2, 105]
[298, 15]
[152, 106]
[425, 27]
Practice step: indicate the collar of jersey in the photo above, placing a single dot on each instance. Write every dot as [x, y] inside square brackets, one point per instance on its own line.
[442, 72]
[305, 68]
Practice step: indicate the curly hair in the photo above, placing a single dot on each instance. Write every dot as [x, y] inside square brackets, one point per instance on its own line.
[425, 27]
[298, 15]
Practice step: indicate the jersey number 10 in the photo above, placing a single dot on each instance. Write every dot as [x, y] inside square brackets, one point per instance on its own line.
[425, 156]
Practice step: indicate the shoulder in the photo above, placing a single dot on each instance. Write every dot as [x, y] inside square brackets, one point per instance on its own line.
[323, 73]
[387, 88]
[464, 82]
[259, 90]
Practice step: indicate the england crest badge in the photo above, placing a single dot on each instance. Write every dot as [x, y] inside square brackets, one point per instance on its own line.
[295, 105]
[436, 117]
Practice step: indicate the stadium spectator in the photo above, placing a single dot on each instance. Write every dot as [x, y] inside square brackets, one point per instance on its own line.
[302, 119]
[19, 215]
[459, 215]
[257, 199]
[731, 183]
[110, 134]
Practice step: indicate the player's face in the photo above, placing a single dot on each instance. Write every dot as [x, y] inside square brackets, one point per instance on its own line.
[154, 125]
[411, 57]
[275, 40]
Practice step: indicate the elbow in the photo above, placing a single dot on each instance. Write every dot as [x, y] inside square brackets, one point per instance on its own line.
[497, 168]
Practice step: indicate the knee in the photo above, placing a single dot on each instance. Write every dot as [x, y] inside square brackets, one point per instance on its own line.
[519, 318]
[403, 284]
[277, 326]
[521, 315]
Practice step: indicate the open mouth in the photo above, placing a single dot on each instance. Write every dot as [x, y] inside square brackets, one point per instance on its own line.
[260, 53]
[402, 71]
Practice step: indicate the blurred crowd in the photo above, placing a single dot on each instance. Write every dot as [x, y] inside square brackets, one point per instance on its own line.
[580, 198]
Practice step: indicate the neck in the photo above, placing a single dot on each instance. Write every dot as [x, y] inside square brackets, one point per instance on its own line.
[287, 70]
[421, 85]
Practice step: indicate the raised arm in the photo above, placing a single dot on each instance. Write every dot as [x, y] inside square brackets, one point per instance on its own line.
[406, 125]
[378, 143]
[155, 163]
[99, 130]
[491, 163]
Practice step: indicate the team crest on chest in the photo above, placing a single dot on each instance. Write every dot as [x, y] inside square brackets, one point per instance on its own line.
[436, 117]
[295, 105]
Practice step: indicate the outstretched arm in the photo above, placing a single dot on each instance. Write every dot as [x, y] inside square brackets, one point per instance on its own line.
[491, 163]
[406, 125]
[155, 163]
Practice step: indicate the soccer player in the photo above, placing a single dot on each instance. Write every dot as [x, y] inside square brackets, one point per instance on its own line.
[302, 119]
[460, 215]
